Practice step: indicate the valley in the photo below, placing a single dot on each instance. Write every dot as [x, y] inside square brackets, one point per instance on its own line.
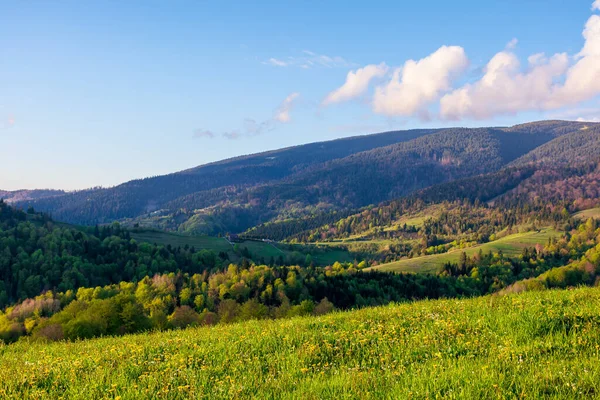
[281, 251]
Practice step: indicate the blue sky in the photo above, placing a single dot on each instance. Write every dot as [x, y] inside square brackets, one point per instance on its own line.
[100, 92]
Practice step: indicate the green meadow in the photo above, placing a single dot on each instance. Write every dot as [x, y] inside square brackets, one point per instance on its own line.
[530, 345]
[258, 250]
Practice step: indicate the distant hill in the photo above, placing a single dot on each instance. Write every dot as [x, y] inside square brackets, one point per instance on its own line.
[236, 194]
[142, 196]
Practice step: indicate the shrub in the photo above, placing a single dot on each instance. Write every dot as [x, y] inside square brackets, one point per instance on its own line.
[324, 307]
[184, 316]
[51, 332]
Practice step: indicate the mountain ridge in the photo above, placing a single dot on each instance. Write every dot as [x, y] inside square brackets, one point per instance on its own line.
[234, 194]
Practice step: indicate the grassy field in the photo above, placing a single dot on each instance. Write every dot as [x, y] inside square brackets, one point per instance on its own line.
[591, 213]
[332, 256]
[257, 249]
[262, 249]
[510, 245]
[531, 345]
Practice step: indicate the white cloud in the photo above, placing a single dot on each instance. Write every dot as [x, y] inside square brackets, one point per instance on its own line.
[308, 59]
[536, 59]
[357, 83]
[419, 83]
[596, 5]
[546, 83]
[582, 80]
[504, 89]
[283, 112]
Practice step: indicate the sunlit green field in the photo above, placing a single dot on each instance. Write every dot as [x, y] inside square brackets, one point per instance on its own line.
[511, 245]
[532, 345]
[332, 256]
[258, 250]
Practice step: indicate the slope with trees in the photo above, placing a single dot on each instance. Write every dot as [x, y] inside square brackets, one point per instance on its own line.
[234, 195]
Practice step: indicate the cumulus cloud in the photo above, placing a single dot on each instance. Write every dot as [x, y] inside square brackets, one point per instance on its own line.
[309, 59]
[582, 81]
[504, 89]
[596, 5]
[419, 83]
[283, 112]
[357, 83]
[546, 83]
[203, 133]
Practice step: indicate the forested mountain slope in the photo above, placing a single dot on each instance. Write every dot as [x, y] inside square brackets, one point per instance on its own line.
[533, 187]
[234, 195]
[579, 146]
[351, 182]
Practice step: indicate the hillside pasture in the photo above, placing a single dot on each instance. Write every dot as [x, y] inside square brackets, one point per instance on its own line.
[511, 245]
[260, 251]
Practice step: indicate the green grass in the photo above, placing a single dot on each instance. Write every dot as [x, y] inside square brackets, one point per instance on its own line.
[591, 213]
[531, 345]
[416, 219]
[511, 245]
[258, 250]
[216, 244]
[262, 249]
[332, 256]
